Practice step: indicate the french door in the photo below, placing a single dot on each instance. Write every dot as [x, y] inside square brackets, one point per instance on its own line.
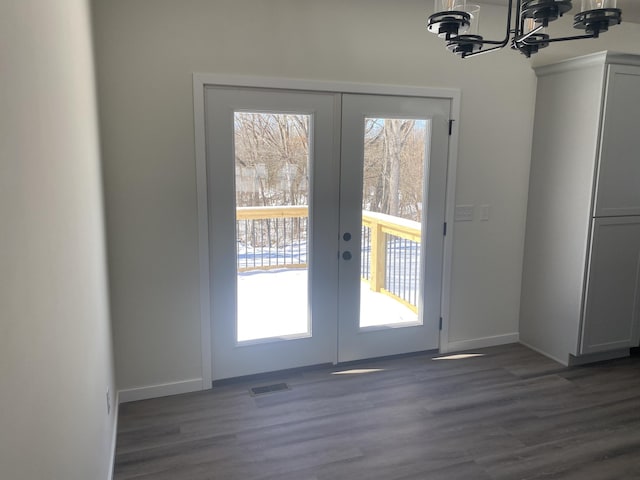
[326, 213]
[392, 205]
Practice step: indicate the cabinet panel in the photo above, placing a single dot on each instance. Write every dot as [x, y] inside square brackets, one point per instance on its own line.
[617, 192]
[613, 288]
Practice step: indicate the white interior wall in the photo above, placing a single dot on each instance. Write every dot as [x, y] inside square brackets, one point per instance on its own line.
[147, 51]
[55, 339]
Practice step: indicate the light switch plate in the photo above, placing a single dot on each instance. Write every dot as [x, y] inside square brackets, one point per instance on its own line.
[484, 212]
[464, 213]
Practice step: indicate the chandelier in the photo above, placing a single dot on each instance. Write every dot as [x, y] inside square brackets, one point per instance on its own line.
[456, 21]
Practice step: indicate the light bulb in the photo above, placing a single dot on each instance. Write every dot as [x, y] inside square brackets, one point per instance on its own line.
[529, 24]
[597, 4]
[449, 5]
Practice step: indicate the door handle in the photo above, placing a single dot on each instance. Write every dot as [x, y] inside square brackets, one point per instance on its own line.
[346, 255]
[346, 237]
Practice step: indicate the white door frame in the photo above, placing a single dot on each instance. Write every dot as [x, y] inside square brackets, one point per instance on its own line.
[201, 80]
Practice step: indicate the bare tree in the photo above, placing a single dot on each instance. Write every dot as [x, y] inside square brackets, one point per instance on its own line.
[272, 156]
[394, 157]
[271, 160]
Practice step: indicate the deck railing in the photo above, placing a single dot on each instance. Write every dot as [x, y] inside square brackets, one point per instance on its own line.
[271, 237]
[391, 256]
[276, 237]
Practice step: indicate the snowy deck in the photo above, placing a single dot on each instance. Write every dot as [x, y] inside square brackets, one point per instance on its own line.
[273, 303]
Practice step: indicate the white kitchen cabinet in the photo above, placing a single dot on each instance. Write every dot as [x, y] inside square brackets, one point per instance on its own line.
[582, 245]
[613, 287]
[618, 186]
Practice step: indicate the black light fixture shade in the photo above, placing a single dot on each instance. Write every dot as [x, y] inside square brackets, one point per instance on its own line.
[539, 40]
[544, 11]
[463, 45]
[597, 20]
[449, 23]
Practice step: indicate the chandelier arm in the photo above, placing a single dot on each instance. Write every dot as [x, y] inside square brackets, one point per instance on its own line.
[560, 39]
[519, 22]
[529, 34]
[481, 52]
[500, 43]
[508, 34]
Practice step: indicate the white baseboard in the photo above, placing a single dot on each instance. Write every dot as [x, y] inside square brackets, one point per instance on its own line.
[546, 354]
[112, 457]
[479, 343]
[161, 390]
[598, 357]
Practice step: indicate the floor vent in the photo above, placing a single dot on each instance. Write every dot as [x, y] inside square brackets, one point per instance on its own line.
[276, 387]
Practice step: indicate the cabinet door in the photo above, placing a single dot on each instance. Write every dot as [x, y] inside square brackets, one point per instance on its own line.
[617, 192]
[612, 298]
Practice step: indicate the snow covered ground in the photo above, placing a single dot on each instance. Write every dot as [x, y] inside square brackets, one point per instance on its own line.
[273, 303]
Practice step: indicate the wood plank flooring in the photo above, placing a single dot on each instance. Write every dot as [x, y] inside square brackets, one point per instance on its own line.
[507, 414]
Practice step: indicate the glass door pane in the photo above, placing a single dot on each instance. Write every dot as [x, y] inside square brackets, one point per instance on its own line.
[271, 152]
[392, 200]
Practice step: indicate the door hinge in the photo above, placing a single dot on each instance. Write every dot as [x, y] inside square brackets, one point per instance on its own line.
[444, 229]
[451, 126]
[440, 326]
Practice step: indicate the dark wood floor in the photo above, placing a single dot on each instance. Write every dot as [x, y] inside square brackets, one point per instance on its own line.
[509, 414]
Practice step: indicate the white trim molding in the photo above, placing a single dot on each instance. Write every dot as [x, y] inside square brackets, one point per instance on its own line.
[202, 80]
[598, 357]
[452, 168]
[160, 390]
[590, 60]
[572, 360]
[483, 342]
[203, 231]
[112, 453]
[537, 350]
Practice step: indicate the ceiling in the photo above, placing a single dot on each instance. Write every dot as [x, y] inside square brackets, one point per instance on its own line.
[630, 8]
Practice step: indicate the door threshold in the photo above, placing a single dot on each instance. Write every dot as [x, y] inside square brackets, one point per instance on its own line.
[280, 375]
[269, 376]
